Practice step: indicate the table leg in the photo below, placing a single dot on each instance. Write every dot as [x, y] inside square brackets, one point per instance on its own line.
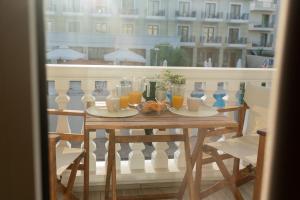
[86, 165]
[198, 176]
[113, 173]
[259, 168]
[197, 149]
[109, 163]
[189, 168]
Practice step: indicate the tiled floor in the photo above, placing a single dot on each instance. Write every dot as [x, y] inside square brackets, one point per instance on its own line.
[224, 194]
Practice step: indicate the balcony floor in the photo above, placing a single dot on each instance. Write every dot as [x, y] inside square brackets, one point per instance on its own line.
[140, 189]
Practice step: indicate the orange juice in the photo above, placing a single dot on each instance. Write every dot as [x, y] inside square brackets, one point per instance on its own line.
[135, 97]
[124, 101]
[177, 101]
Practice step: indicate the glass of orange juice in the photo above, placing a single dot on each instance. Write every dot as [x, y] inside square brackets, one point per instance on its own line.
[178, 95]
[135, 95]
[123, 93]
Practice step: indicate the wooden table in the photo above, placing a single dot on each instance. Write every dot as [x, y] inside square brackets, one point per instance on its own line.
[207, 125]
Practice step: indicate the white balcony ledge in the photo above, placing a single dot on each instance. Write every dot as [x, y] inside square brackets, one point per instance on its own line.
[260, 29]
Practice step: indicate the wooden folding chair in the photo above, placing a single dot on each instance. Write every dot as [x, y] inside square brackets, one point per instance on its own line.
[243, 147]
[61, 159]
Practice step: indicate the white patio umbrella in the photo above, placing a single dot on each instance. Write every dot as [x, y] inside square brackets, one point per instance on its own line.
[65, 53]
[124, 55]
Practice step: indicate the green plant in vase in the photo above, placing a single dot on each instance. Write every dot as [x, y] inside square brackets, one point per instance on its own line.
[176, 86]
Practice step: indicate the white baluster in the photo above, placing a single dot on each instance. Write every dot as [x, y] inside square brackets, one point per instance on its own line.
[136, 159]
[211, 87]
[159, 157]
[232, 87]
[117, 148]
[92, 155]
[179, 154]
[62, 101]
[88, 87]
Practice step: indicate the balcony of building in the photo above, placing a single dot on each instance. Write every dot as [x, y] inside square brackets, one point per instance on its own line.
[101, 11]
[69, 85]
[215, 41]
[261, 27]
[186, 16]
[263, 6]
[129, 13]
[156, 15]
[212, 17]
[241, 42]
[261, 45]
[108, 41]
[237, 18]
[188, 41]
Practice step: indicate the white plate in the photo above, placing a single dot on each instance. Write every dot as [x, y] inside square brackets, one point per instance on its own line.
[202, 112]
[103, 112]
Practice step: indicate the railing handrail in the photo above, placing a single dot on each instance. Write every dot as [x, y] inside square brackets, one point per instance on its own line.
[96, 72]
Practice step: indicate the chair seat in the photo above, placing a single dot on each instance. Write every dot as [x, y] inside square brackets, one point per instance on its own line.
[244, 147]
[65, 157]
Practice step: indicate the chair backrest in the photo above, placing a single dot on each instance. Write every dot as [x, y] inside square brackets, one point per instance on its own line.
[258, 99]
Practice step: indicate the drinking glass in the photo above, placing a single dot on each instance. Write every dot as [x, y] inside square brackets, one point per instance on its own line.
[123, 92]
[178, 95]
[135, 95]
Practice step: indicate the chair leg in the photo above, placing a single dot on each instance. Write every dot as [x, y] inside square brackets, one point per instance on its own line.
[72, 177]
[189, 168]
[227, 176]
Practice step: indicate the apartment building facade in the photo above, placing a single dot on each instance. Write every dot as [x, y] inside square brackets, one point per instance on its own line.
[223, 30]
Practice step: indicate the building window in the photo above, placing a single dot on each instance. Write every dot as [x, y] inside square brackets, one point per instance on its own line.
[208, 33]
[264, 39]
[50, 26]
[101, 27]
[153, 30]
[127, 4]
[265, 20]
[233, 36]
[210, 9]
[128, 29]
[72, 5]
[183, 32]
[73, 26]
[184, 8]
[235, 11]
[153, 7]
[101, 6]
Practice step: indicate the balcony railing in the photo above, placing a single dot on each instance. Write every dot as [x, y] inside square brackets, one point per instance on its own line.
[262, 44]
[96, 81]
[187, 39]
[233, 16]
[215, 39]
[217, 15]
[261, 26]
[132, 11]
[241, 40]
[191, 14]
[263, 6]
[159, 13]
